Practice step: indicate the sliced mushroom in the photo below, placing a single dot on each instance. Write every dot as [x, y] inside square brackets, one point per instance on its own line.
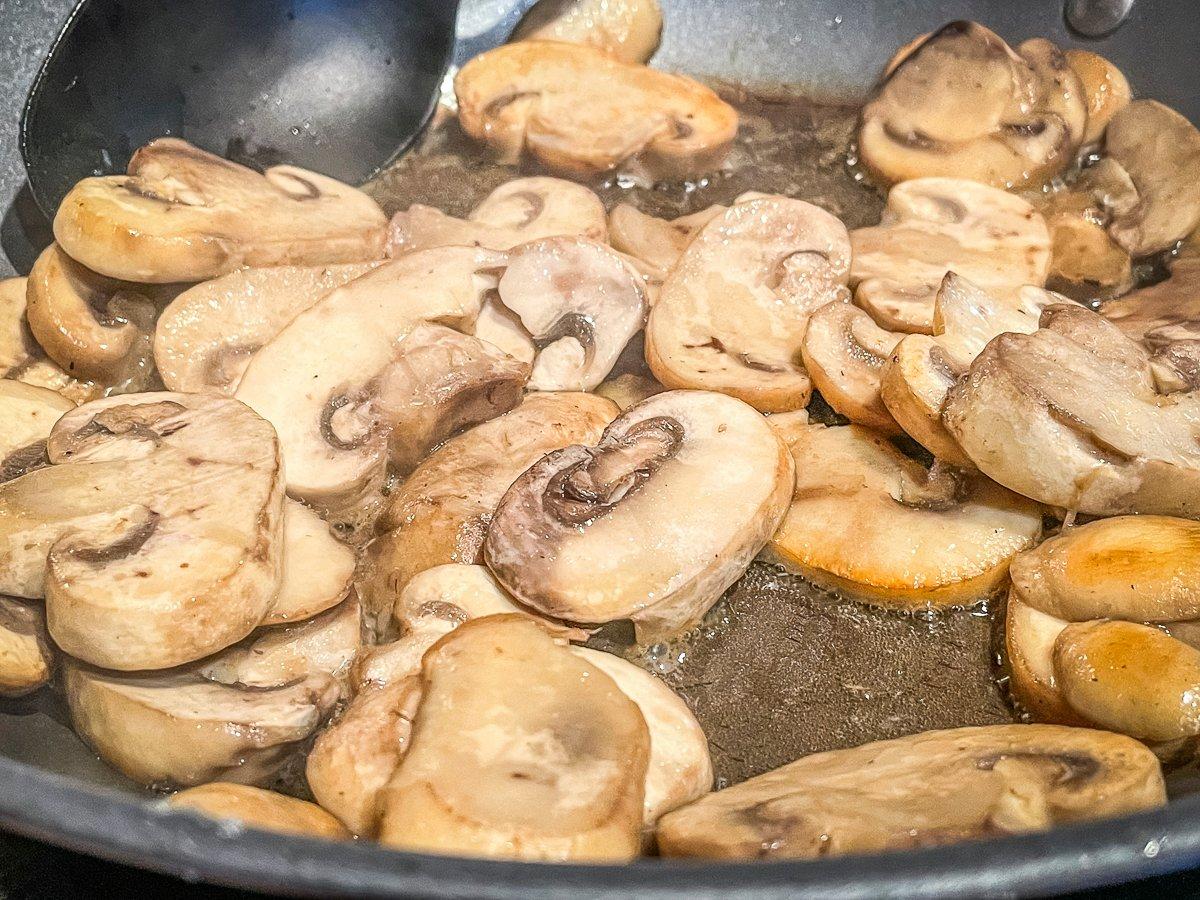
[1165, 312]
[22, 358]
[1085, 262]
[629, 389]
[1160, 150]
[205, 338]
[680, 769]
[962, 103]
[520, 749]
[652, 523]
[579, 302]
[628, 29]
[656, 243]
[519, 211]
[176, 728]
[925, 789]
[26, 659]
[316, 381]
[867, 520]
[255, 808]
[441, 512]
[181, 214]
[27, 414]
[155, 534]
[580, 111]
[1029, 637]
[318, 569]
[1069, 416]
[917, 378]
[732, 314]
[844, 353]
[932, 226]
[1105, 89]
[1136, 568]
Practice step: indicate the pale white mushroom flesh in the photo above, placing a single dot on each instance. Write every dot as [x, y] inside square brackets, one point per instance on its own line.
[628, 29]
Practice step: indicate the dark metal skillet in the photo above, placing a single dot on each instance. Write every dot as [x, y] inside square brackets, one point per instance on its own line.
[51, 788]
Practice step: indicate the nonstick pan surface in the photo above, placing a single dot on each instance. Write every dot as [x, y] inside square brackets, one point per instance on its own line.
[53, 788]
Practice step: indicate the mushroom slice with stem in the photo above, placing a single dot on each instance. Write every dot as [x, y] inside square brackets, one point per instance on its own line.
[962, 103]
[254, 807]
[1160, 150]
[1070, 416]
[580, 303]
[732, 313]
[316, 381]
[155, 533]
[932, 226]
[656, 243]
[26, 658]
[1105, 89]
[1029, 637]
[440, 513]
[519, 211]
[519, 749]
[181, 214]
[925, 789]
[318, 569]
[651, 524]
[628, 29]
[844, 352]
[22, 358]
[27, 414]
[867, 520]
[205, 337]
[582, 112]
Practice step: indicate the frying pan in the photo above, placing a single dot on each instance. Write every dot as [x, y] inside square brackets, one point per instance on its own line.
[53, 789]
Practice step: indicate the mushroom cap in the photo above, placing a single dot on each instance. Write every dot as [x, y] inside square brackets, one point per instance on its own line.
[651, 524]
[26, 658]
[732, 313]
[1069, 416]
[627, 29]
[22, 358]
[1029, 637]
[318, 569]
[181, 214]
[256, 808]
[868, 520]
[27, 414]
[930, 788]
[656, 243]
[932, 226]
[581, 112]
[520, 749]
[204, 339]
[155, 535]
[1160, 150]
[519, 211]
[1105, 88]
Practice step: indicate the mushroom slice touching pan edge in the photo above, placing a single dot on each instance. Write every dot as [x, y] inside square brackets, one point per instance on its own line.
[155, 533]
[628, 29]
[925, 789]
[520, 749]
[519, 211]
[181, 214]
[318, 569]
[651, 524]
[1070, 416]
[205, 337]
[26, 657]
[866, 519]
[22, 357]
[962, 103]
[440, 513]
[581, 112]
[27, 415]
[732, 313]
[932, 226]
[256, 808]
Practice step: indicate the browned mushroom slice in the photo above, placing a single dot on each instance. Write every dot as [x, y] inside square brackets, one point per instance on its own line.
[1069, 416]
[580, 111]
[628, 29]
[519, 211]
[1085, 262]
[962, 103]
[27, 414]
[1105, 88]
[844, 353]
[205, 337]
[440, 513]
[932, 226]
[732, 314]
[656, 243]
[181, 214]
[26, 659]
[256, 808]
[1029, 637]
[925, 789]
[651, 524]
[867, 520]
[1165, 312]
[155, 534]
[1160, 150]
[519, 749]
[22, 358]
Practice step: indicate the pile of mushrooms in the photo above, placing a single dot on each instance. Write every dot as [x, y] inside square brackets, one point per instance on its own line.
[289, 487]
